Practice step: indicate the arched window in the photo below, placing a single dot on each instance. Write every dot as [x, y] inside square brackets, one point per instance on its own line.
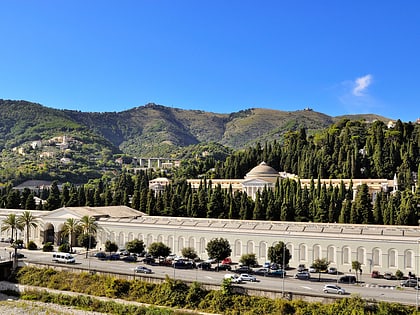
[290, 248]
[113, 237]
[331, 254]
[161, 239]
[149, 239]
[361, 255]
[376, 257]
[392, 258]
[250, 247]
[130, 236]
[346, 255]
[303, 252]
[409, 259]
[202, 246]
[317, 252]
[263, 250]
[238, 248]
[191, 242]
[121, 239]
[181, 243]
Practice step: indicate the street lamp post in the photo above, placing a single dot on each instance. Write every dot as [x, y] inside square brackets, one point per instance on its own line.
[417, 275]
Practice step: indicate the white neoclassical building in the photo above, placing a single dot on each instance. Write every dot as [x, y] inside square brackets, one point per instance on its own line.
[376, 247]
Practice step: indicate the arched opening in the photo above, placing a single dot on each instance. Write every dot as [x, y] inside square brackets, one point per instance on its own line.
[49, 235]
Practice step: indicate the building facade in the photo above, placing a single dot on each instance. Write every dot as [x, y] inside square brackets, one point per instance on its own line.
[376, 247]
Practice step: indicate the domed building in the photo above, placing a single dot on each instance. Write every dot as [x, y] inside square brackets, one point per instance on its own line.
[259, 177]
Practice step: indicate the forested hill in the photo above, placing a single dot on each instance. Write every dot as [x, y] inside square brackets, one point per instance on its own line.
[155, 130]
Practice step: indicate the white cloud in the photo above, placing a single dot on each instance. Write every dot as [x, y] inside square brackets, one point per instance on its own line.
[361, 84]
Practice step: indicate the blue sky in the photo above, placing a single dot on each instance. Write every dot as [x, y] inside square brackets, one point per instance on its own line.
[337, 57]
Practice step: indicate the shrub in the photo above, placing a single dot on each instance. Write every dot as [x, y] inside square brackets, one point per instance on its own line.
[48, 247]
[65, 248]
[32, 245]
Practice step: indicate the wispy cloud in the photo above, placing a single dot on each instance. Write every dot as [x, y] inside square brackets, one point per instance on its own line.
[361, 84]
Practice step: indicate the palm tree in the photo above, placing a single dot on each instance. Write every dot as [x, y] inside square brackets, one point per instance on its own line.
[11, 223]
[71, 227]
[89, 227]
[27, 220]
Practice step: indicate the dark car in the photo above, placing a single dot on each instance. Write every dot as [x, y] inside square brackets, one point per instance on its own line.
[18, 255]
[180, 264]
[244, 269]
[148, 260]
[114, 257]
[100, 255]
[223, 267]
[347, 279]
[203, 265]
[129, 258]
[277, 273]
[141, 269]
[262, 272]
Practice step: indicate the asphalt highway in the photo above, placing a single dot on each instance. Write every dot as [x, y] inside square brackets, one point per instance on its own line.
[367, 288]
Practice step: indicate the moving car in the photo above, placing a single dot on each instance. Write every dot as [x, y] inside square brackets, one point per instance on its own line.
[247, 277]
[304, 275]
[331, 288]
[141, 269]
[409, 283]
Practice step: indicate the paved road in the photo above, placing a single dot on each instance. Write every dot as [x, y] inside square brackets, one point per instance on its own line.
[369, 288]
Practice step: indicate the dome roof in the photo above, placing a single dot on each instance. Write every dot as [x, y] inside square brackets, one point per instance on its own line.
[262, 170]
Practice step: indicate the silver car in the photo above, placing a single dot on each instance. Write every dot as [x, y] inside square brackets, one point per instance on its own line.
[331, 288]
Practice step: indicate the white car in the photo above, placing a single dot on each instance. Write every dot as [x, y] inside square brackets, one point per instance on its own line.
[331, 288]
[233, 278]
[312, 269]
[247, 277]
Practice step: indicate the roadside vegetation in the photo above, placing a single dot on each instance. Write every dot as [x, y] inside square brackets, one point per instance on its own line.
[176, 294]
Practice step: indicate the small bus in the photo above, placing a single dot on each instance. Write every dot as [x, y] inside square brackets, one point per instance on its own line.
[63, 258]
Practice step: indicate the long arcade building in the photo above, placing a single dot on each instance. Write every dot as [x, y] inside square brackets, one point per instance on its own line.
[376, 247]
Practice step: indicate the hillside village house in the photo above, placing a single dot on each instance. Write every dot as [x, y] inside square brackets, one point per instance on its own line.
[376, 247]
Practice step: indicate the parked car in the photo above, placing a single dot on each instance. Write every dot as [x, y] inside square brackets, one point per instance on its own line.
[223, 267]
[129, 258]
[304, 275]
[262, 271]
[244, 269]
[203, 265]
[142, 269]
[389, 276]
[227, 261]
[100, 255]
[247, 277]
[182, 264]
[18, 255]
[301, 267]
[409, 283]
[375, 274]
[312, 269]
[347, 279]
[114, 257]
[332, 270]
[148, 260]
[277, 273]
[331, 288]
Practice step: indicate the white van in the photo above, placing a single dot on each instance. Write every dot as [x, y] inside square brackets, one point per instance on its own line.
[63, 258]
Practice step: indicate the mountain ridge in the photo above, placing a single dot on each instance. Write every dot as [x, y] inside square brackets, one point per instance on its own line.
[157, 129]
